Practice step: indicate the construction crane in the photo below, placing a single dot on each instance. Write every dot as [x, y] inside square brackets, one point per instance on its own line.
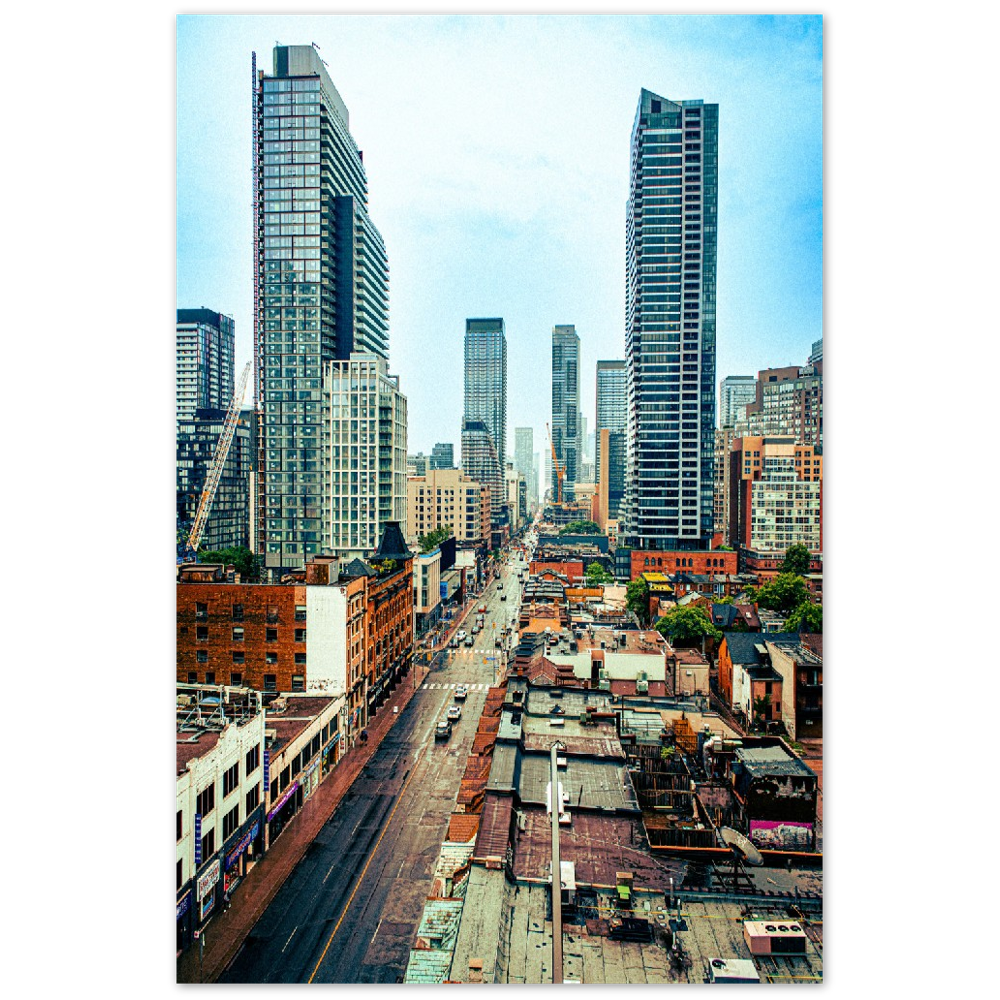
[560, 471]
[214, 474]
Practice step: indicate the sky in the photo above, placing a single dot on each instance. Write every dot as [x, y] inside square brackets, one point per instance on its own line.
[497, 156]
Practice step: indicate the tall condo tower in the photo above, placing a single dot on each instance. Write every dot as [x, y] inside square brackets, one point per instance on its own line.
[566, 406]
[484, 424]
[670, 324]
[611, 416]
[321, 295]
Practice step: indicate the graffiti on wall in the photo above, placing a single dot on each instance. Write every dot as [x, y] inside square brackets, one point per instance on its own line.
[777, 834]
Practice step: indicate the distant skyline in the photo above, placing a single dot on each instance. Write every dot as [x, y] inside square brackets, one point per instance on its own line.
[497, 151]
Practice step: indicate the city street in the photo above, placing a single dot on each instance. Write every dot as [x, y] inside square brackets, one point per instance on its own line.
[349, 911]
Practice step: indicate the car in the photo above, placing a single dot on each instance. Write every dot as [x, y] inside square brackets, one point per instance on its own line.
[469, 641]
[503, 597]
[461, 634]
[499, 586]
[443, 730]
[482, 609]
[461, 692]
[454, 642]
[454, 713]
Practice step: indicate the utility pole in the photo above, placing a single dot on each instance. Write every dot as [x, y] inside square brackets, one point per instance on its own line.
[556, 802]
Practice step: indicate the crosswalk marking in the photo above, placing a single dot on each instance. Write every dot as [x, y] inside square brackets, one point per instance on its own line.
[426, 686]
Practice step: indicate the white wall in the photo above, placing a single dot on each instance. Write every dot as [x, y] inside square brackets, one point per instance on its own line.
[326, 617]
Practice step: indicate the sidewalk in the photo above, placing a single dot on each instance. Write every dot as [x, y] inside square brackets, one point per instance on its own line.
[225, 933]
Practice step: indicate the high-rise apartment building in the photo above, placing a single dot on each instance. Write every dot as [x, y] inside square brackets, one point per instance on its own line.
[417, 465]
[364, 443]
[320, 296]
[206, 346]
[484, 424]
[611, 416]
[789, 401]
[816, 355]
[524, 458]
[443, 456]
[670, 324]
[448, 497]
[735, 391]
[566, 405]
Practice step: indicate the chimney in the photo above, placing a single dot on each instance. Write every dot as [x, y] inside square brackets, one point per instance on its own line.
[475, 970]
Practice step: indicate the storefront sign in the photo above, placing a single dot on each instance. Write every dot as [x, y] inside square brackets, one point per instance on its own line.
[184, 905]
[197, 841]
[244, 843]
[267, 767]
[284, 798]
[209, 877]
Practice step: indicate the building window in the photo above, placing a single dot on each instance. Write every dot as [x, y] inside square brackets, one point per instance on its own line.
[200, 610]
[192, 677]
[252, 760]
[271, 635]
[237, 612]
[300, 659]
[235, 679]
[230, 779]
[180, 823]
[300, 635]
[252, 800]
[209, 676]
[239, 656]
[202, 633]
[298, 683]
[180, 873]
[207, 846]
[296, 766]
[237, 634]
[270, 682]
[271, 658]
[285, 778]
[230, 822]
[300, 613]
[206, 800]
[202, 657]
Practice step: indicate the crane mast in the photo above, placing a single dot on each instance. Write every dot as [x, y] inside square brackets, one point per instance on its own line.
[214, 476]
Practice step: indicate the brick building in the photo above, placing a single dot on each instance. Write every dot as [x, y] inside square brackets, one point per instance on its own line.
[710, 562]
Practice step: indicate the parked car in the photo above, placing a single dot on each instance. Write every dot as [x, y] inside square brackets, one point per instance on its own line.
[469, 641]
[503, 597]
[454, 713]
[461, 692]
[443, 730]
[454, 642]
[499, 586]
[461, 634]
[482, 608]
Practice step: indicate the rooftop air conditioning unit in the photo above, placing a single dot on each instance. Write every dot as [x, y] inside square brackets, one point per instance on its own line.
[642, 686]
[774, 937]
[733, 970]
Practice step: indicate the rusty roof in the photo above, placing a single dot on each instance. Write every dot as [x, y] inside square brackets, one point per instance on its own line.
[494, 826]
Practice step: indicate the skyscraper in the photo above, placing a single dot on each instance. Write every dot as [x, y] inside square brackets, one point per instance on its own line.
[523, 450]
[484, 423]
[320, 296]
[206, 344]
[735, 391]
[612, 416]
[566, 405]
[443, 455]
[670, 324]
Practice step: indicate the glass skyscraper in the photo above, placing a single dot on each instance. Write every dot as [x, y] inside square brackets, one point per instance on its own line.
[670, 324]
[484, 424]
[566, 407]
[612, 416]
[321, 291]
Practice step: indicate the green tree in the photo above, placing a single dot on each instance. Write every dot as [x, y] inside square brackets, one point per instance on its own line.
[239, 556]
[434, 538]
[687, 623]
[760, 707]
[581, 528]
[785, 592]
[806, 617]
[597, 574]
[797, 560]
[725, 600]
[637, 600]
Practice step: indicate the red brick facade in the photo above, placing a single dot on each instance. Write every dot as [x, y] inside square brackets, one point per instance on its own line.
[703, 563]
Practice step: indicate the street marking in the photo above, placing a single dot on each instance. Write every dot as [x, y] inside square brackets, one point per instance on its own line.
[364, 871]
[375, 935]
[290, 936]
[327, 875]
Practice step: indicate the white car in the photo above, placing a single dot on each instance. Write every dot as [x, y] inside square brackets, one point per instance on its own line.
[461, 634]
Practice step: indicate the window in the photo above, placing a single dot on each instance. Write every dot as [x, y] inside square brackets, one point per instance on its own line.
[192, 677]
[298, 683]
[300, 613]
[285, 778]
[209, 676]
[274, 789]
[230, 779]
[300, 635]
[239, 657]
[271, 634]
[206, 800]
[272, 613]
[271, 658]
[230, 822]
[296, 765]
[180, 823]
[252, 800]
[237, 634]
[237, 612]
[202, 633]
[235, 679]
[270, 681]
[207, 846]
[200, 610]
[202, 657]
[300, 659]
[252, 760]
[180, 873]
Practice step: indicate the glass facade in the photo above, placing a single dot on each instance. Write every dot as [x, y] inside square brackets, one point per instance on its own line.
[206, 345]
[671, 223]
[566, 407]
[323, 280]
[484, 457]
[612, 414]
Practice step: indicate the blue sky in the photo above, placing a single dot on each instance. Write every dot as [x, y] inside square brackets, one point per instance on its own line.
[497, 152]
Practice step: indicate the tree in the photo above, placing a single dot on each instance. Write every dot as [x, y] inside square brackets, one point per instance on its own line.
[725, 600]
[597, 574]
[760, 710]
[807, 617]
[434, 538]
[797, 559]
[581, 528]
[687, 624]
[239, 556]
[785, 592]
[637, 600]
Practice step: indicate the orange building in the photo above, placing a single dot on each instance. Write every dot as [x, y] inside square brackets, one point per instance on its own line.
[707, 563]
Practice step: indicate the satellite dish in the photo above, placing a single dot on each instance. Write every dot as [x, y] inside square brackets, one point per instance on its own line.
[741, 846]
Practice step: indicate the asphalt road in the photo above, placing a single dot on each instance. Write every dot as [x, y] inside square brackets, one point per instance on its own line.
[349, 911]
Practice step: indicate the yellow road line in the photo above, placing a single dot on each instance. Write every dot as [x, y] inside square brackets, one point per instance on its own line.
[361, 877]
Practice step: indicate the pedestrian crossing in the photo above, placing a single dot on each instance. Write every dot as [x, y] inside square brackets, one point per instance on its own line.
[449, 687]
